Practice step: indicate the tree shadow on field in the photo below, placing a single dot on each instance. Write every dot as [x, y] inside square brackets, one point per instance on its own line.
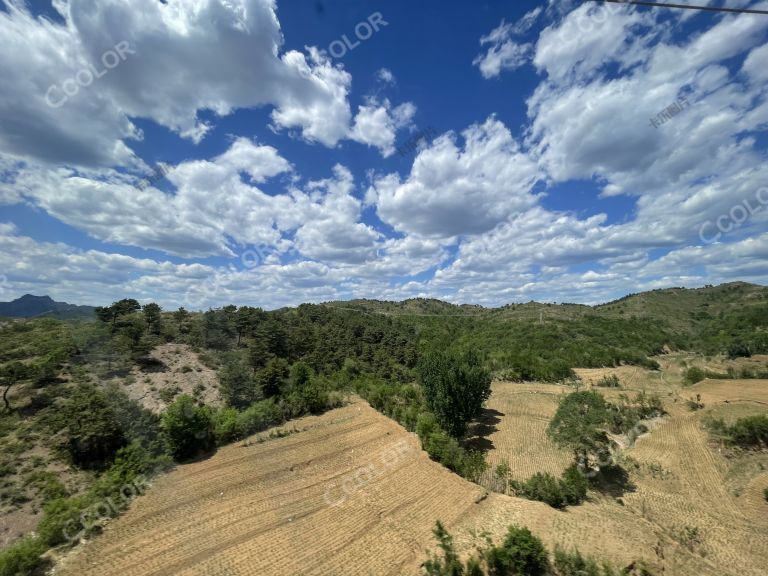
[483, 426]
[613, 481]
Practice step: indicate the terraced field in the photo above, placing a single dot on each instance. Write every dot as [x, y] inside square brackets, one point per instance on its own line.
[682, 484]
[350, 492]
[518, 415]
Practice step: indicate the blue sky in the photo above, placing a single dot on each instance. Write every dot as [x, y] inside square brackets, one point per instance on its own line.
[543, 176]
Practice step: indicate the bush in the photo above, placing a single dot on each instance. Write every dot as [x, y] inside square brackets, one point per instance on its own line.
[226, 426]
[449, 564]
[62, 517]
[94, 433]
[574, 485]
[542, 487]
[187, 428]
[571, 489]
[23, 558]
[47, 484]
[750, 432]
[574, 564]
[693, 375]
[610, 381]
[258, 417]
[521, 553]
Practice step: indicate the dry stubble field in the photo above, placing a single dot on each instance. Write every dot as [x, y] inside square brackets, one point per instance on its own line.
[265, 508]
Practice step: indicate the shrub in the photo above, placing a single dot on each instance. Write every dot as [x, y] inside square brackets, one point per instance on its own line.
[571, 489]
[226, 426]
[574, 485]
[751, 431]
[765, 493]
[609, 381]
[47, 484]
[258, 417]
[693, 375]
[449, 564]
[521, 553]
[23, 558]
[94, 433]
[542, 487]
[187, 428]
[62, 517]
[574, 564]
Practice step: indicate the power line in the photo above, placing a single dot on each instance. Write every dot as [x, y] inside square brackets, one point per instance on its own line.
[684, 6]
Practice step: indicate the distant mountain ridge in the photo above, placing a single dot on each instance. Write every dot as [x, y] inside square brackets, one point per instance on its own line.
[29, 306]
[673, 306]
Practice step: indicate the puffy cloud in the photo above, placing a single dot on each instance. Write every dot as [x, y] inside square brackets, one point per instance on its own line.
[505, 53]
[71, 89]
[212, 203]
[377, 123]
[464, 223]
[453, 190]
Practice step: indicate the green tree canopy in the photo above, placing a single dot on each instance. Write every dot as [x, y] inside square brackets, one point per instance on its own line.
[455, 388]
[187, 428]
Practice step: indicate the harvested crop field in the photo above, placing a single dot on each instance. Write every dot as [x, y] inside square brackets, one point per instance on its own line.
[349, 492]
[279, 507]
[517, 417]
[715, 391]
[682, 488]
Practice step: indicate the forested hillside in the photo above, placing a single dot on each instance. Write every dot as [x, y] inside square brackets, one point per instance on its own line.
[72, 434]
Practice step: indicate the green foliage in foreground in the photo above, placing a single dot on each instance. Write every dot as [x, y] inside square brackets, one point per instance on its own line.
[521, 554]
[574, 563]
[23, 558]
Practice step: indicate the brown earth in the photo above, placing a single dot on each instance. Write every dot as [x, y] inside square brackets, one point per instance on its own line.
[278, 506]
[179, 371]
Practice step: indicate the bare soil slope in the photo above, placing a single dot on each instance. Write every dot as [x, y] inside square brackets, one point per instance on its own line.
[280, 507]
[349, 492]
[177, 370]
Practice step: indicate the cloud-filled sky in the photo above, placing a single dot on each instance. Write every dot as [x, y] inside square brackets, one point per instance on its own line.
[206, 152]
